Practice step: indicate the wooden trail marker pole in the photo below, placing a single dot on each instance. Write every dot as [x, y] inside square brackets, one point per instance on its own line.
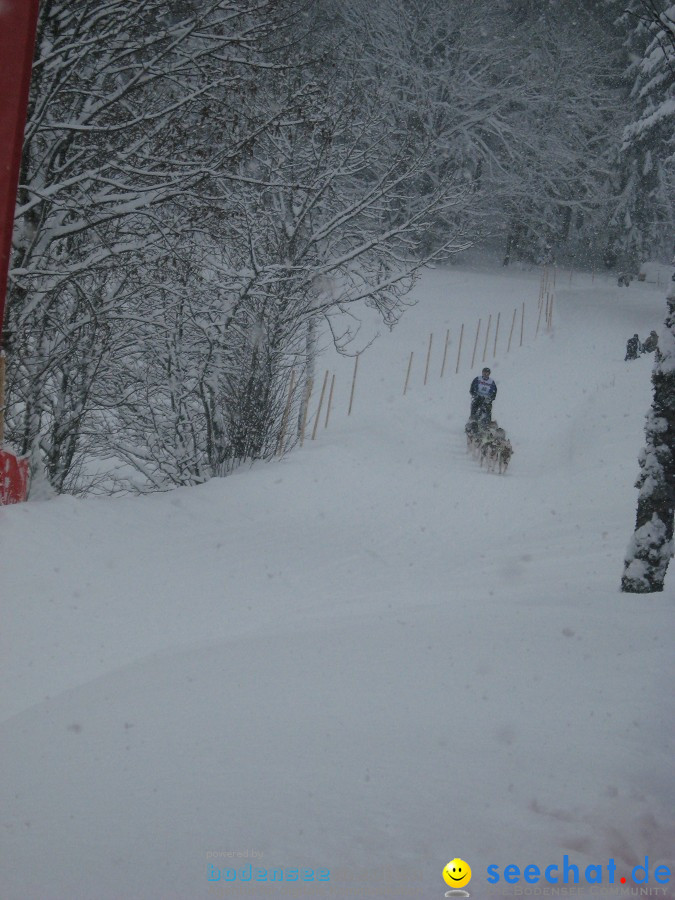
[539, 317]
[426, 368]
[543, 284]
[318, 412]
[522, 325]
[351, 396]
[550, 313]
[287, 410]
[310, 385]
[459, 349]
[543, 287]
[330, 400]
[407, 377]
[487, 336]
[445, 351]
[475, 344]
[494, 349]
[513, 323]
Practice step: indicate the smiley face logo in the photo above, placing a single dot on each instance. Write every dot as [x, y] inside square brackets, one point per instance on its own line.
[457, 873]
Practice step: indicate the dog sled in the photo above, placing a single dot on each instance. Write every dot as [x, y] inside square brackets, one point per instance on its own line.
[488, 444]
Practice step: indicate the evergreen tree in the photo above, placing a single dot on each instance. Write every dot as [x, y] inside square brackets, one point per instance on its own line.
[643, 186]
[651, 547]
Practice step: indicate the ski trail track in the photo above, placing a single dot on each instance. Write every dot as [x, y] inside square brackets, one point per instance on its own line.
[371, 656]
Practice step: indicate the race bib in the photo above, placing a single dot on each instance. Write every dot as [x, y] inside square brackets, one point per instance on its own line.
[484, 388]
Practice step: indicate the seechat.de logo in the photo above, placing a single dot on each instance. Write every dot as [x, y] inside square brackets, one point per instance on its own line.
[569, 873]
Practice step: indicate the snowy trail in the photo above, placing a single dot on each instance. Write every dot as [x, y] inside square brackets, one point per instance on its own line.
[371, 656]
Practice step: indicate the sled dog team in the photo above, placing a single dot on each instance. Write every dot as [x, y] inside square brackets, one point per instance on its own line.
[489, 445]
[484, 438]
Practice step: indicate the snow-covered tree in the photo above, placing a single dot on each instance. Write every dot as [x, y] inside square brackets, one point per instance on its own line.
[209, 186]
[120, 134]
[651, 547]
[642, 185]
[520, 99]
[652, 136]
[441, 77]
[566, 117]
[320, 217]
[203, 184]
[654, 72]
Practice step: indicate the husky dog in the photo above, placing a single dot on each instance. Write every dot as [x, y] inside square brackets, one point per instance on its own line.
[472, 430]
[489, 445]
[475, 433]
[502, 451]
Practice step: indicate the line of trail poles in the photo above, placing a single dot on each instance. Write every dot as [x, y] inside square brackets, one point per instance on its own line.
[485, 347]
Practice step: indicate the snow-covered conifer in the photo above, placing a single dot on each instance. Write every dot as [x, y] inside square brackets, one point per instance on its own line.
[651, 546]
[642, 184]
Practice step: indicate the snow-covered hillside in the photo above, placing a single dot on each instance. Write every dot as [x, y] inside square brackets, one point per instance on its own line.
[369, 657]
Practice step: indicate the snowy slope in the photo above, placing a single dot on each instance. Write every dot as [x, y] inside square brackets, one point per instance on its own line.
[368, 657]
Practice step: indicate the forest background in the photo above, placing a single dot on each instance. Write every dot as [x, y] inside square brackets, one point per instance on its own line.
[210, 190]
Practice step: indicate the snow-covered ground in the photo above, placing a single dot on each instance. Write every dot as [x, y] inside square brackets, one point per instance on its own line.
[369, 657]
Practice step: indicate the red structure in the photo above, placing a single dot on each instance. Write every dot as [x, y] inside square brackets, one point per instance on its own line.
[18, 23]
[13, 478]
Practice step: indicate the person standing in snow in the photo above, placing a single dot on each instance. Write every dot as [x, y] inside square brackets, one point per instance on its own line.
[633, 347]
[483, 391]
[650, 343]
